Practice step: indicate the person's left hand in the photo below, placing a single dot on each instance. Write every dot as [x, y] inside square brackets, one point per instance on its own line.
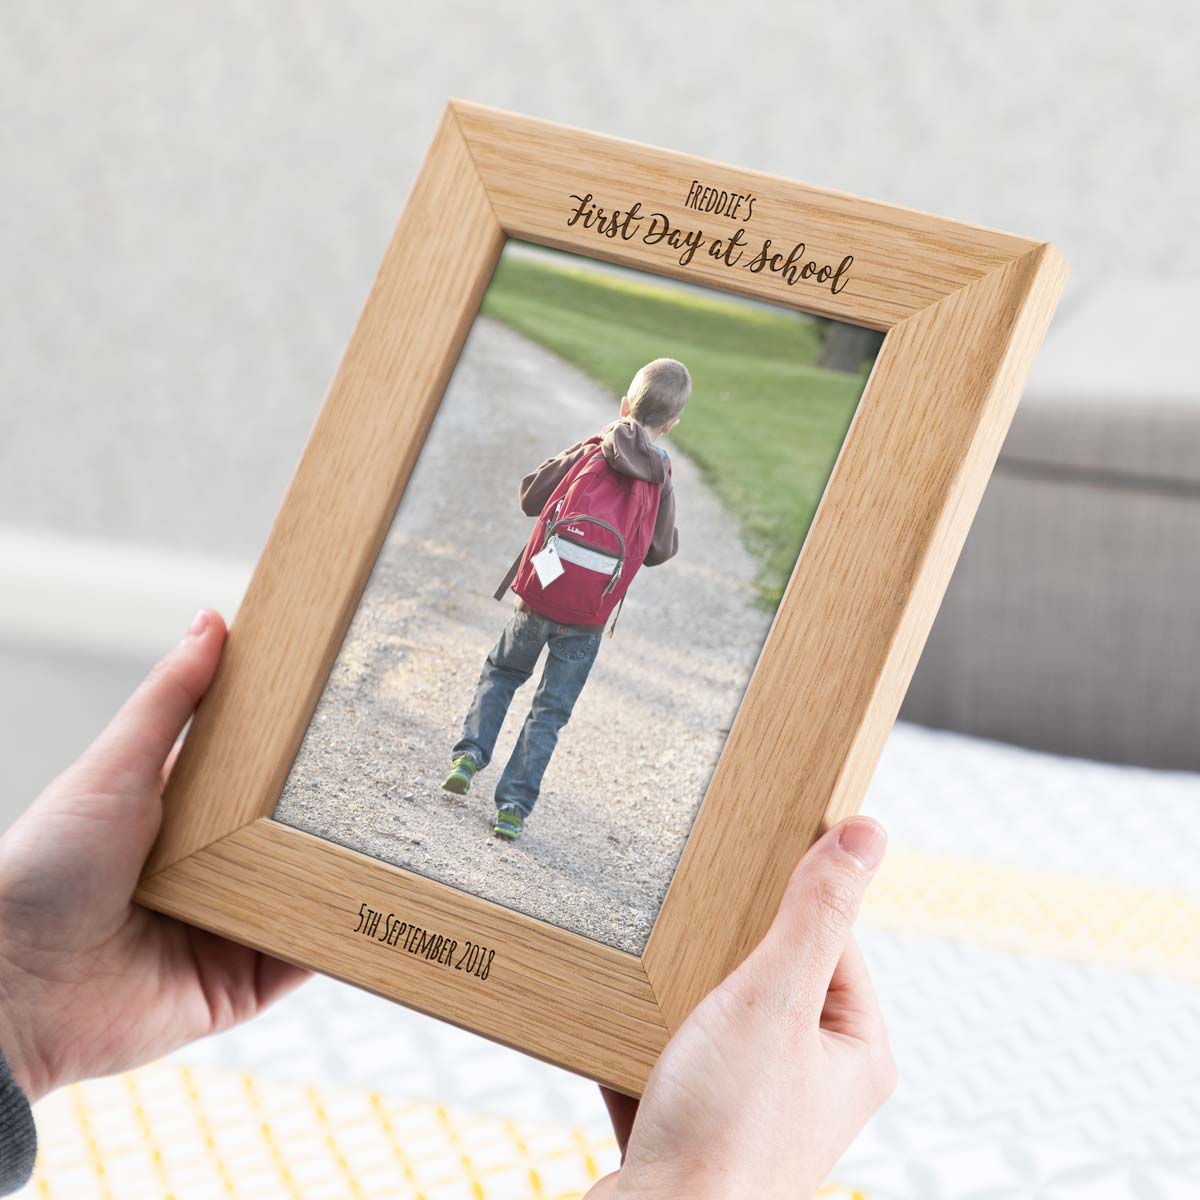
[90, 982]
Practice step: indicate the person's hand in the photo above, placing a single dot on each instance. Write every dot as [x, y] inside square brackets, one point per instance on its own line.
[91, 983]
[771, 1077]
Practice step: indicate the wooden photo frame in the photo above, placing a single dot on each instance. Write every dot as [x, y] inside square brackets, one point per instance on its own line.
[963, 310]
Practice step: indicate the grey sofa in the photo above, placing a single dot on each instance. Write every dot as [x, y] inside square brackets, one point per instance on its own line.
[1072, 623]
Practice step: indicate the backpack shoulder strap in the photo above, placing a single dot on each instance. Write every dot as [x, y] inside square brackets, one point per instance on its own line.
[509, 575]
[593, 445]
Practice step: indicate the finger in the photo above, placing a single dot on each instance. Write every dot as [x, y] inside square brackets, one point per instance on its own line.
[622, 1111]
[851, 1004]
[606, 1188]
[237, 982]
[276, 978]
[819, 907]
[168, 766]
[139, 738]
[853, 1015]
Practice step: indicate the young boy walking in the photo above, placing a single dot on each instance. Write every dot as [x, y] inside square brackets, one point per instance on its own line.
[604, 507]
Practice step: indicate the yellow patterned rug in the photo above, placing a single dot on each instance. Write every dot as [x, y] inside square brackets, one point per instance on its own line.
[178, 1133]
[169, 1132]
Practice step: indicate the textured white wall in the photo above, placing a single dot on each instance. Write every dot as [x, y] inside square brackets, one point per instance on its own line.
[196, 196]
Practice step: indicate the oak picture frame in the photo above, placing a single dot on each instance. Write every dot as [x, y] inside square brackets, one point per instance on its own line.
[964, 310]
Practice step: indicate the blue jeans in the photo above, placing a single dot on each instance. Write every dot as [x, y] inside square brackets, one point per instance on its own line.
[510, 663]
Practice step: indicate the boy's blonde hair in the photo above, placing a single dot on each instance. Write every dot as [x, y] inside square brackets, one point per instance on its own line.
[659, 392]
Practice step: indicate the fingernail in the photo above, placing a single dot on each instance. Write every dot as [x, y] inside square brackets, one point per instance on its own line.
[199, 623]
[864, 839]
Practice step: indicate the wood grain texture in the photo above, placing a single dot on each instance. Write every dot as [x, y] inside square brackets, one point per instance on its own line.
[336, 513]
[904, 260]
[965, 311]
[855, 615]
[298, 897]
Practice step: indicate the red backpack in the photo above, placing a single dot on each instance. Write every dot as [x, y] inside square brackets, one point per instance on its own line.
[599, 524]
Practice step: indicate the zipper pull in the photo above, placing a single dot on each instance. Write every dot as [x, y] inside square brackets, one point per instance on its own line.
[614, 579]
[612, 627]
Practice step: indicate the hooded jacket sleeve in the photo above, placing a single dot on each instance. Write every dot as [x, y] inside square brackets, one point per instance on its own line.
[538, 486]
[664, 544]
[18, 1137]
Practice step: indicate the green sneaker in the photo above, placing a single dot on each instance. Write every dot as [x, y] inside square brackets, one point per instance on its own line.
[459, 780]
[510, 822]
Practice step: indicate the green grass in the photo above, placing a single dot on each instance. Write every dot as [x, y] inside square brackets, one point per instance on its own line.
[764, 423]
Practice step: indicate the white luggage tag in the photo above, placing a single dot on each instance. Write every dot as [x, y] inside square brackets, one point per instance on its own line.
[547, 563]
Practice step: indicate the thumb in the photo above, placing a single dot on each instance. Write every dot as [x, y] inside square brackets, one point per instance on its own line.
[809, 934]
[138, 739]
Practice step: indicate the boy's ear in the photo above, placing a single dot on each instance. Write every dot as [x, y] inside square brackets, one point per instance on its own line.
[668, 427]
[624, 406]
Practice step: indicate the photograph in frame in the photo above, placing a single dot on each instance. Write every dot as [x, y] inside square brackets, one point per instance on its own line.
[576, 586]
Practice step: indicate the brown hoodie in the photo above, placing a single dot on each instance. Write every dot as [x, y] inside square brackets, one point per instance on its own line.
[628, 449]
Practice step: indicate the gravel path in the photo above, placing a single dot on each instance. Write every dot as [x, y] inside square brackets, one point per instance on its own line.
[631, 767]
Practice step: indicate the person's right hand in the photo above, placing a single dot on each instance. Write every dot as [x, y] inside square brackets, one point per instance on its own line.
[776, 1071]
